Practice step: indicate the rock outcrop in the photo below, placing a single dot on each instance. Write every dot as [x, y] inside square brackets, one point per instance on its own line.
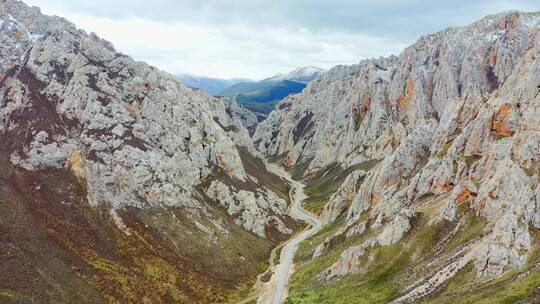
[135, 135]
[252, 211]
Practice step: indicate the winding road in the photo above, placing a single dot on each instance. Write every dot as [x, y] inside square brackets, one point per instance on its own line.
[275, 290]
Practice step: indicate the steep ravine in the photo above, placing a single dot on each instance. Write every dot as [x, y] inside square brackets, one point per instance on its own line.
[275, 290]
[271, 285]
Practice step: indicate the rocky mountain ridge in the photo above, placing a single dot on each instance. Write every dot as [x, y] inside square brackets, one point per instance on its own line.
[452, 124]
[107, 107]
[157, 163]
[301, 74]
[424, 168]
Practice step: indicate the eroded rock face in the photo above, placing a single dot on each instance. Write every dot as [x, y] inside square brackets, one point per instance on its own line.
[134, 134]
[454, 121]
[340, 200]
[239, 113]
[347, 262]
[253, 211]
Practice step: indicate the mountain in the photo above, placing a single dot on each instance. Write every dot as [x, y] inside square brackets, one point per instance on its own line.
[211, 86]
[118, 184]
[424, 168]
[262, 96]
[302, 74]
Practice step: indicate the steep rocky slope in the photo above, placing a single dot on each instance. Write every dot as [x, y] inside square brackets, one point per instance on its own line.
[434, 158]
[114, 176]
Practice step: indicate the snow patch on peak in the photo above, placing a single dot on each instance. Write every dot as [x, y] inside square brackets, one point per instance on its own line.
[306, 71]
[301, 74]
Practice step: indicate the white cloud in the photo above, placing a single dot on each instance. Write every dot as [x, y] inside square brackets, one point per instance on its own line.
[231, 50]
[256, 39]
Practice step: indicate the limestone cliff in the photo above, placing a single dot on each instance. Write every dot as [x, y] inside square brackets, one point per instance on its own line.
[146, 153]
[453, 122]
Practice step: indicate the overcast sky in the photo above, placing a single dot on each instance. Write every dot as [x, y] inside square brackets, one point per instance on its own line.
[256, 39]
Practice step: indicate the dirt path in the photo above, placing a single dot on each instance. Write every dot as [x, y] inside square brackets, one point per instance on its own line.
[275, 290]
[259, 284]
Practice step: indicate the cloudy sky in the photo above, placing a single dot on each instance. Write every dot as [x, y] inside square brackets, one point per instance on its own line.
[256, 39]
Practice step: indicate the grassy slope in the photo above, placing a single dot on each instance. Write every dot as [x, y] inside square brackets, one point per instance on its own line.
[306, 248]
[385, 271]
[255, 167]
[263, 96]
[326, 182]
[515, 286]
[264, 90]
[260, 107]
[376, 283]
[55, 247]
[297, 170]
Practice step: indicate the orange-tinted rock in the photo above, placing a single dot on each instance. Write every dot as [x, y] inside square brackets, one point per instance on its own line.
[223, 164]
[499, 122]
[513, 20]
[510, 22]
[465, 196]
[493, 58]
[403, 102]
[447, 186]
[289, 161]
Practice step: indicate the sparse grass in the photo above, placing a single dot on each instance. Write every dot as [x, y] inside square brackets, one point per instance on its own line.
[471, 159]
[444, 151]
[225, 265]
[264, 107]
[297, 170]
[472, 229]
[7, 297]
[255, 167]
[275, 158]
[380, 274]
[534, 169]
[326, 182]
[305, 249]
[358, 123]
[515, 286]
[242, 292]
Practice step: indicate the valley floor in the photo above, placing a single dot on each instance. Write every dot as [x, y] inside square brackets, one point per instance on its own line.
[388, 273]
[275, 290]
[271, 285]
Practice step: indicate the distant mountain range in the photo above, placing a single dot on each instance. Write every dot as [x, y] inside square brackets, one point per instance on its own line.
[261, 96]
[211, 86]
